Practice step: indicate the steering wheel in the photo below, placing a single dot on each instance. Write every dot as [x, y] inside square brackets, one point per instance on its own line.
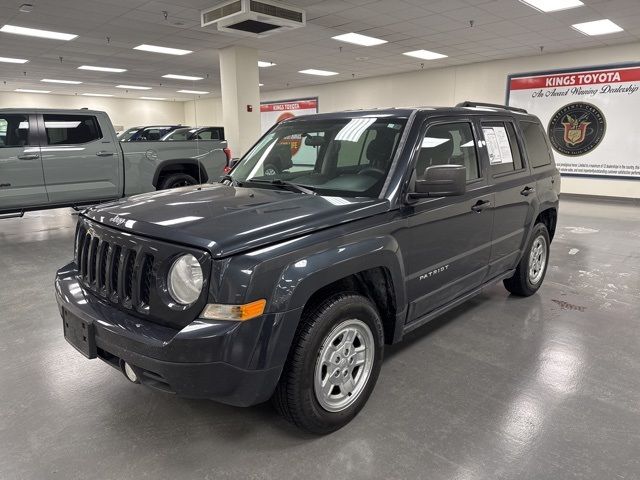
[372, 172]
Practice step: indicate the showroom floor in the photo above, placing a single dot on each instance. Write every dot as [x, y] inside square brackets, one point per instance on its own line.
[503, 387]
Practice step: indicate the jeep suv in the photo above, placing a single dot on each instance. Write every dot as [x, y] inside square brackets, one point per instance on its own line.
[286, 284]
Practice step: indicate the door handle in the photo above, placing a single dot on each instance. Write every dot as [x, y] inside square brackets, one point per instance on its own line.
[105, 154]
[527, 191]
[481, 205]
[29, 156]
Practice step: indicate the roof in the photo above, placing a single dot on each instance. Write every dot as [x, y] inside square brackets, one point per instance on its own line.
[51, 110]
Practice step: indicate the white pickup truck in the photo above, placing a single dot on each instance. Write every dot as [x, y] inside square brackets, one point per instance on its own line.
[58, 158]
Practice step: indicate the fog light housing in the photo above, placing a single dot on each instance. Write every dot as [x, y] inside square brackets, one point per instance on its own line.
[237, 313]
[130, 373]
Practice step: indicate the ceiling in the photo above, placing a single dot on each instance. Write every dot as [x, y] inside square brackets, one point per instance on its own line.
[109, 29]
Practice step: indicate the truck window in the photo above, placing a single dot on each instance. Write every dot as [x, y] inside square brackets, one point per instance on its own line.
[502, 147]
[14, 130]
[536, 144]
[71, 129]
[208, 134]
[449, 143]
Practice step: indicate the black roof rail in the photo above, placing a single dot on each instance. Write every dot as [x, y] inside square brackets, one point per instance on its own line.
[492, 105]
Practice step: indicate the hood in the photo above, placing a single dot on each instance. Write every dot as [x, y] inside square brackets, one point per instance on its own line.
[226, 220]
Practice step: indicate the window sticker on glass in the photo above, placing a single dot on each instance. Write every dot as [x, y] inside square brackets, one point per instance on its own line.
[497, 145]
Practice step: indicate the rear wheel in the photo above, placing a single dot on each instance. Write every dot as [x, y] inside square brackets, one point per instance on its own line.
[532, 268]
[333, 367]
[176, 180]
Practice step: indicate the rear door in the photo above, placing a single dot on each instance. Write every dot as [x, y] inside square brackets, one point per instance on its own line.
[21, 177]
[80, 158]
[514, 192]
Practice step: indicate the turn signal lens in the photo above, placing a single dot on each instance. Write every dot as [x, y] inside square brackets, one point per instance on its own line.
[238, 313]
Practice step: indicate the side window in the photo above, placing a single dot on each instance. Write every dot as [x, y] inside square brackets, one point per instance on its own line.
[536, 144]
[71, 129]
[14, 130]
[209, 134]
[449, 144]
[502, 147]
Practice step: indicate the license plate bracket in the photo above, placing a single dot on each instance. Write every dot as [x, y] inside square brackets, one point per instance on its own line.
[80, 334]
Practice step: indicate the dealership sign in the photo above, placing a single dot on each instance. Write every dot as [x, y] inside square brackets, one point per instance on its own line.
[275, 112]
[591, 116]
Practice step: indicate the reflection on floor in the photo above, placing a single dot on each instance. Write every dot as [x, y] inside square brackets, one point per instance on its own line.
[541, 388]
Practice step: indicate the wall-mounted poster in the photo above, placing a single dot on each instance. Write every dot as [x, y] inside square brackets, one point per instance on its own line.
[590, 114]
[274, 112]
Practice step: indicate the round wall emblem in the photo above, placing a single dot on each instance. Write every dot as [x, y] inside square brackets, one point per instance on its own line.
[576, 129]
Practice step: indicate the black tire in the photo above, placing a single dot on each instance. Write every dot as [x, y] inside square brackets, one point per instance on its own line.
[272, 169]
[520, 283]
[176, 180]
[295, 397]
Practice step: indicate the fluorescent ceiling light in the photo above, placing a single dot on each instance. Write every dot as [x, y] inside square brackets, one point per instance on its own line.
[322, 73]
[96, 95]
[552, 5]
[34, 32]
[425, 55]
[261, 84]
[181, 77]
[152, 98]
[193, 92]
[133, 87]
[102, 69]
[69, 82]
[599, 27]
[28, 90]
[262, 64]
[358, 39]
[166, 50]
[12, 60]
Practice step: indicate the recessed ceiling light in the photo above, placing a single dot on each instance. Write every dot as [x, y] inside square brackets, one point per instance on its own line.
[34, 32]
[28, 90]
[262, 64]
[96, 95]
[425, 55]
[359, 39]
[322, 73]
[12, 60]
[598, 27]
[261, 84]
[193, 92]
[102, 69]
[70, 82]
[165, 50]
[181, 77]
[152, 98]
[133, 87]
[552, 5]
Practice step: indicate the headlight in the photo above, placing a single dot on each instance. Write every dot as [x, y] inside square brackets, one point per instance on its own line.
[185, 280]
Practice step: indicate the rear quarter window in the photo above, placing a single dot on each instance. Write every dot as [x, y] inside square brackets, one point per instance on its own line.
[536, 144]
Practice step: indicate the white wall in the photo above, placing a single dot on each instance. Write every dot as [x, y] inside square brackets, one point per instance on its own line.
[481, 82]
[123, 111]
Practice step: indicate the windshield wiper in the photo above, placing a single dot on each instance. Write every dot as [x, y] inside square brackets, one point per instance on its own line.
[288, 185]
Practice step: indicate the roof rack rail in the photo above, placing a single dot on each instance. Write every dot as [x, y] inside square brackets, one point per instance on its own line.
[492, 105]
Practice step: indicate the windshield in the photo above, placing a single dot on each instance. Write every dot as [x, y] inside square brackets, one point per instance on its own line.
[339, 157]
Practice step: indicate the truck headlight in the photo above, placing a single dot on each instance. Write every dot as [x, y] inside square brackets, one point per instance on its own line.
[185, 279]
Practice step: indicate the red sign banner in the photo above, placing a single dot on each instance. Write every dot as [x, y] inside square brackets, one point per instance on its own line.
[595, 77]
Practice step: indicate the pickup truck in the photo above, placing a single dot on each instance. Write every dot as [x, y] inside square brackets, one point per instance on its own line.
[57, 158]
[286, 285]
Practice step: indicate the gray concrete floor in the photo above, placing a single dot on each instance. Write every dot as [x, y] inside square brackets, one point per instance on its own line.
[546, 387]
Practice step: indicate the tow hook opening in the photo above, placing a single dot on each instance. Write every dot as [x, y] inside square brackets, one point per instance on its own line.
[132, 373]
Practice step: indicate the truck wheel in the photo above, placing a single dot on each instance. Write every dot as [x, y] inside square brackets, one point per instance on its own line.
[533, 266]
[176, 180]
[270, 170]
[333, 366]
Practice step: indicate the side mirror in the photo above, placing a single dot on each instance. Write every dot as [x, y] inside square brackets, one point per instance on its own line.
[233, 162]
[441, 181]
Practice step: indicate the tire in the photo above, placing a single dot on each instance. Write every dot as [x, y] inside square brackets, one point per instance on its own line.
[298, 396]
[270, 170]
[176, 180]
[526, 280]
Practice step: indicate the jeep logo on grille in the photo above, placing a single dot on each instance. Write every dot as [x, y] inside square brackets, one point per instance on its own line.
[117, 220]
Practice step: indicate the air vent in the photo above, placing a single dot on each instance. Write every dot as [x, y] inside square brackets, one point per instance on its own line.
[252, 17]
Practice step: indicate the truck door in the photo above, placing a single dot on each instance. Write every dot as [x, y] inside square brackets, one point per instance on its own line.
[21, 176]
[446, 244]
[81, 160]
[514, 191]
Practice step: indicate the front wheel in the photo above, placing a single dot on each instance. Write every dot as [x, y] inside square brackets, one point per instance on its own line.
[333, 366]
[532, 268]
[177, 180]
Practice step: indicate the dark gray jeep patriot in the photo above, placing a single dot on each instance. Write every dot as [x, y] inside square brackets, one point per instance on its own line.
[334, 235]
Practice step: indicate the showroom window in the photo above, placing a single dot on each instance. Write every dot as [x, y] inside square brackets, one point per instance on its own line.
[14, 131]
[537, 148]
[449, 144]
[502, 147]
[71, 129]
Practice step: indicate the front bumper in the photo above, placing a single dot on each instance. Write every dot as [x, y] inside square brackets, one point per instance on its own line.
[238, 363]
